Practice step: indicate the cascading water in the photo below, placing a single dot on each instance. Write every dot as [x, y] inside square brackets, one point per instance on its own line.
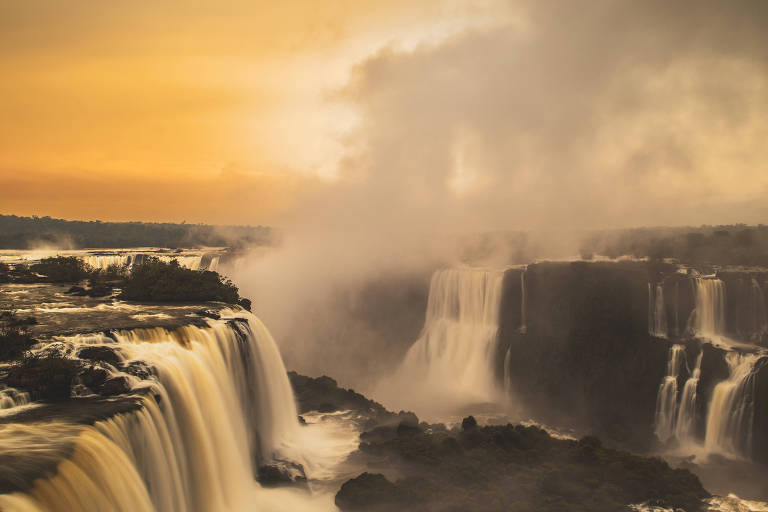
[523, 304]
[731, 411]
[451, 364]
[657, 315]
[709, 313]
[686, 415]
[666, 400]
[10, 398]
[219, 404]
[759, 314]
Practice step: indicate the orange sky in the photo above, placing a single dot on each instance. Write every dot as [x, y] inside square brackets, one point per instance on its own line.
[510, 113]
[174, 110]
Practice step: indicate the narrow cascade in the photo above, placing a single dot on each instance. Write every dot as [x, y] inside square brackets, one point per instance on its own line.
[759, 313]
[709, 314]
[731, 411]
[219, 404]
[657, 314]
[10, 397]
[451, 364]
[686, 415]
[523, 304]
[507, 372]
[666, 400]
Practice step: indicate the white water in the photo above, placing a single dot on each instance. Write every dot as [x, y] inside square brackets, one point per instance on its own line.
[657, 315]
[686, 415]
[451, 364]
[523, 304]
[220, 400]
[666, 400]
[731, 411]
[10, 398]
[709, 314]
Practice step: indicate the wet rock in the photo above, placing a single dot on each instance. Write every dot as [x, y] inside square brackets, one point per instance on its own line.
[326, 407]
[48, 378]
[115, 386]
[468, 423]
[78, 291]
[280, 473]
[367, 489]
[207, 313]
[93, 377]
[138, 369]
[100, 353]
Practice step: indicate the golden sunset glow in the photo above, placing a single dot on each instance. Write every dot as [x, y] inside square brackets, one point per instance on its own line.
[231, 111]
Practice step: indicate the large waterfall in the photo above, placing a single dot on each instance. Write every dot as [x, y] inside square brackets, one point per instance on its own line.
[452, 363]
[731, 411]
[219, 404]
[709, 314]
[666, 401]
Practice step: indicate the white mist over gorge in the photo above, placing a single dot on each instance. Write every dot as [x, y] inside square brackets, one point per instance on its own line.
[477, 255]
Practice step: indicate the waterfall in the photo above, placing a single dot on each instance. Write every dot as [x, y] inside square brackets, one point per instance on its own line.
[207, 261]
[757, 305]
[508, 372]
[686, 415]
[709, 313]
[10, 397]
[523, 304]
[218, 404]
[666, 399]
[731, 411]
[452, 362]
[657, 314]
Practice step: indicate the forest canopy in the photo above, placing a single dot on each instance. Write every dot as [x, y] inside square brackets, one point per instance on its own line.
[31, 232]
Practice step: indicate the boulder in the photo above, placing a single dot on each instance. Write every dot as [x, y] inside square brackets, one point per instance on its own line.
[115, 386]
[281, 473]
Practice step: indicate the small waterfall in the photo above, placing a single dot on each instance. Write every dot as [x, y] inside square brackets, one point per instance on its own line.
[709, 313]
[666, 399]
[452, 362]
[103, 261]
[523, 304]
[731, 411]
[10, 397]
[219, 404]
[759, 314]
[686, 415]
[657, 314]
[207, 261]
[508, 372]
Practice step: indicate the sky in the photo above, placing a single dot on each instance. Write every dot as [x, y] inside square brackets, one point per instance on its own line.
[453, 114]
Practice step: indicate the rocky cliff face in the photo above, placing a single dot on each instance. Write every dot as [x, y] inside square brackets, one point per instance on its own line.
[587, 345]
[584, 356]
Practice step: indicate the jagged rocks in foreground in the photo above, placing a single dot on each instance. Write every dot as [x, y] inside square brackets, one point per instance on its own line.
[509, 468]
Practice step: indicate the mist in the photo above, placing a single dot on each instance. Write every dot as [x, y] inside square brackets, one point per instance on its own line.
[503, 145]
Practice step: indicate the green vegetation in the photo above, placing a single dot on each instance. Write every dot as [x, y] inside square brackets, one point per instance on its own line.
[29, 232]
[157, 281]
[152, 280]
[509, 468]
[61, 269]
[713, 245]
[15, 338]
[46, 377]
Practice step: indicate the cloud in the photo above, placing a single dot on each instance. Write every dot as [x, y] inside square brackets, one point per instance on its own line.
[606, 113]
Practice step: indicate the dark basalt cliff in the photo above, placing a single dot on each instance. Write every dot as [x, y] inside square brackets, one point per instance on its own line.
[584, 356]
